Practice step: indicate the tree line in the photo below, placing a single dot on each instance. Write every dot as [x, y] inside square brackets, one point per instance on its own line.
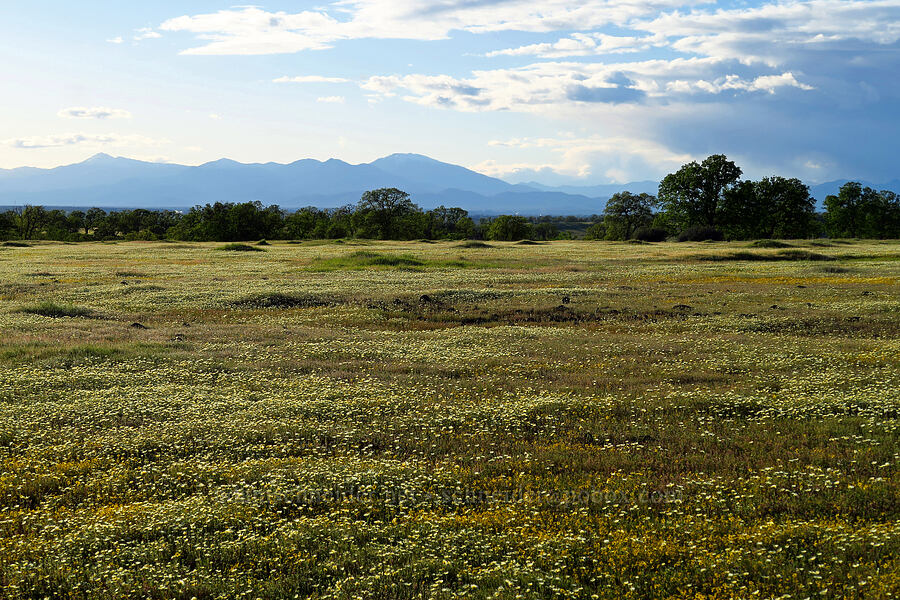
[706, 200]
[386, 213]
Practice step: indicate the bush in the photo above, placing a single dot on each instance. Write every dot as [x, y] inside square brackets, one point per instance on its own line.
[701, 234]
[650, 234]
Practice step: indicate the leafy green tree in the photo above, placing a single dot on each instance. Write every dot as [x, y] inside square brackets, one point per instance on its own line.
[442, 222]
[774, 207]
[304, 224]
[230, 222]
[509, 228]
[92, 218]
[30, 222]
[76, 221]
[382, 214]
[340, 223]
[465, 228]
[693, 195]
[626, 212]
[881, 217]
[7, 224]
[846, 212]
[546, 231]
[596, 231]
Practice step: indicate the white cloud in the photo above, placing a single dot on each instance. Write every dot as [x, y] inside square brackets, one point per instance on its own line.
[146, 33]
[331, 99]
[81, 139]
[615, 158]
[765, 83]
[116, 40]
[310, 79]
[774, 32]
[94, 112]
[584, 44]
[544, 86]
[251, 30]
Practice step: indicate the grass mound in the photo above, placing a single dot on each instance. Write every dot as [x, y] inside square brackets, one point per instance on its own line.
[786, 255]
[527, 243]
[282, 300]
[362, 259]
[366, 259]
[769, 244]
[13, 244]
[57, 311]
[473, 244]
[797, 254]
[240, 248]
[376, 259]
[263, 243]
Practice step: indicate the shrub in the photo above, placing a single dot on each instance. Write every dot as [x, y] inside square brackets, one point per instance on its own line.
[650, 234]
[474, 244]
[701, 234]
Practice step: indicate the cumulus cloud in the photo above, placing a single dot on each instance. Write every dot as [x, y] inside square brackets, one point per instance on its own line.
[764, 83]
[541, 86]
[116, 40]
[310, 79]
[584, 44]
[615, 158]
[252, 30]
[81, 139]
[331, 99]
[94, 112]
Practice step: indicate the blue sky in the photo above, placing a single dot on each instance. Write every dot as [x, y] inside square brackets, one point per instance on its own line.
[556, 91]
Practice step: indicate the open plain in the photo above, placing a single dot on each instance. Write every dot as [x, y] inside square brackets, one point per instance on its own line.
[455, 419]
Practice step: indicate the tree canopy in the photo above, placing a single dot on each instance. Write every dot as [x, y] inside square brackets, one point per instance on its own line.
[693, 195]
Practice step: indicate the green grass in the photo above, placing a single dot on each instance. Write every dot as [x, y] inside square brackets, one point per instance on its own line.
[574, 420]
[14, 244]
[769, 244]
[57, 311]
[365, 259]
[792, 254]
[240, 248]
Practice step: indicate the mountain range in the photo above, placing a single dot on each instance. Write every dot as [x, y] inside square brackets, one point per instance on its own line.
[114, 182]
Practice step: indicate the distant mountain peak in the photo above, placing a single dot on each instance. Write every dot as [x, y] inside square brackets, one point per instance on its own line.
[99, 157]
[409, 156]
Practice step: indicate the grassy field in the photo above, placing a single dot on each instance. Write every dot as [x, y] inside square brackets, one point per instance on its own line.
[439, 420]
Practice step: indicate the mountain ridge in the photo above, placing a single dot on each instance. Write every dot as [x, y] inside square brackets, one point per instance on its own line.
[119, 182]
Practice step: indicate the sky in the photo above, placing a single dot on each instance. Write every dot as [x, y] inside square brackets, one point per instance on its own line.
[554, 91]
